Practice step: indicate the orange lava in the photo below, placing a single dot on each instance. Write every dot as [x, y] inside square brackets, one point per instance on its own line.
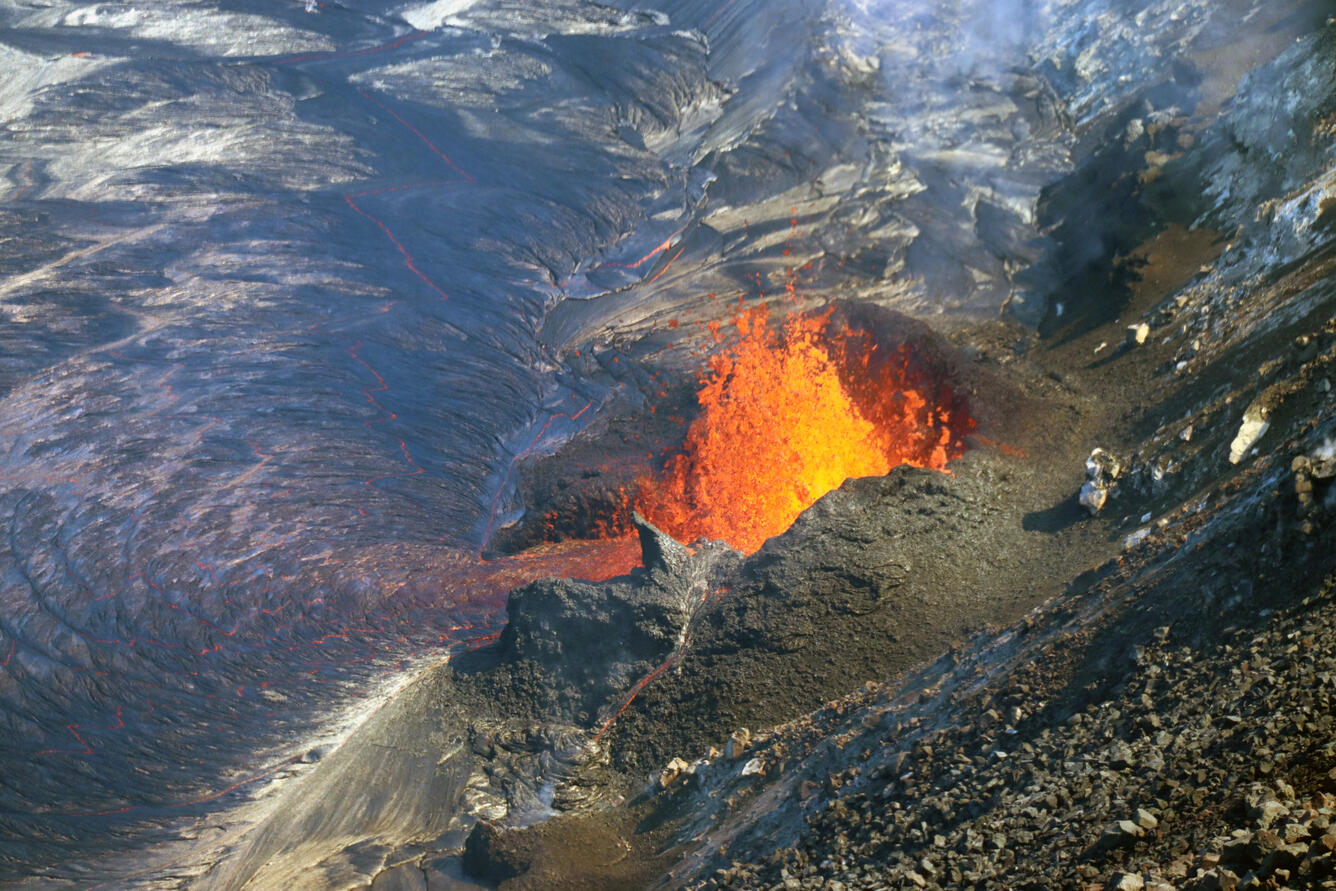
[593, 560]
[788, 414]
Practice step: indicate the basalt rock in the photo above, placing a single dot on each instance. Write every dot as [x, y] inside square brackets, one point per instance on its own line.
[730, 641]
[858, 582]
[570, 649]
[493, 854]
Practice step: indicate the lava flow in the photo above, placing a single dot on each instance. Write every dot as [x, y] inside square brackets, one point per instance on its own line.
[789, 413]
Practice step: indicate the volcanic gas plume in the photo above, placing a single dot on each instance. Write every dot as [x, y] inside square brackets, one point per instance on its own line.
[788, 413]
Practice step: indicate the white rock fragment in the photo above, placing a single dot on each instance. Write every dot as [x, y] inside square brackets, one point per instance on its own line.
[1137, 334]
[1130, 882]
[1325, 455]
[1252, 429]
[1104, 464]
[1093, 497]
[753, 767]
[1102, 468]
[1135, 538]
[672, 772]
[1268, 812]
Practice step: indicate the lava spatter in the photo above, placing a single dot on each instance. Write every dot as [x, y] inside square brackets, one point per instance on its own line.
[788, 413]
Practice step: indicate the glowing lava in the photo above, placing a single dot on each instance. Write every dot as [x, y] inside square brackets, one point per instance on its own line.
[789, 414]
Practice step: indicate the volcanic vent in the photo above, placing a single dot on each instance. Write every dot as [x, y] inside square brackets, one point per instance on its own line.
[785, 410]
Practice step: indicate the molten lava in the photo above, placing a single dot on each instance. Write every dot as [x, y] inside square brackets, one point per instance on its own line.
[786, 416]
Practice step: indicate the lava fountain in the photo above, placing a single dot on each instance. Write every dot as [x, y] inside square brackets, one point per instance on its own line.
[788, 412]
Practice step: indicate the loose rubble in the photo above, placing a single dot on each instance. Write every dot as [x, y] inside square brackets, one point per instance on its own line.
[1201, 765]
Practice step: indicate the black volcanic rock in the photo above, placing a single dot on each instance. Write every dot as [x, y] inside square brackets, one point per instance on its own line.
[490, 853]
[664, 558]
[875, 576]
[576, 647]
[592, 640]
